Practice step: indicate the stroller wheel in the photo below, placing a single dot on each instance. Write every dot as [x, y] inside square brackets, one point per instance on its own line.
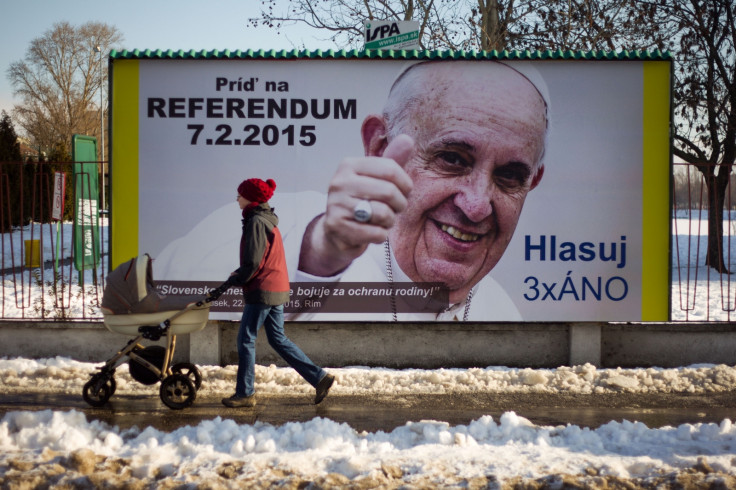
[97, 390]
[177, 391]
[189, 370]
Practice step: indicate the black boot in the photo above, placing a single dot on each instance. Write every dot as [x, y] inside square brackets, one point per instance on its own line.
[323, 387]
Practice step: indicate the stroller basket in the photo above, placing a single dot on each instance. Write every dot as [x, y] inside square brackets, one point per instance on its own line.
[193, 320]
[131, 305]
[130, 300]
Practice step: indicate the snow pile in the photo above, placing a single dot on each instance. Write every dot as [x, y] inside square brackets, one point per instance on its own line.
[64, 447]
[65, 375]
[426, 452]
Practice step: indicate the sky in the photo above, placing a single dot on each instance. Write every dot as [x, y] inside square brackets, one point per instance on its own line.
[152, 24]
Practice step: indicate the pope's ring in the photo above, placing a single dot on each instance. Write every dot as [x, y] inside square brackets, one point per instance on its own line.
[362, 212]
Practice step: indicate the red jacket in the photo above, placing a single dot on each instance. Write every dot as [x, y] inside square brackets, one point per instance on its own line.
[262, 271]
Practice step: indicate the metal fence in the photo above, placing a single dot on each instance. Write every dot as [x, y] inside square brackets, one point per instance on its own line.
[41, 280]
[700, 292]
[42, 276]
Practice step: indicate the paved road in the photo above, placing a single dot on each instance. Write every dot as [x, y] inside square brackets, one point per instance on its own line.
[374, 413]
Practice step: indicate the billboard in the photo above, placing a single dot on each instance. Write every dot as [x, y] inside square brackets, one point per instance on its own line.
[507, 189]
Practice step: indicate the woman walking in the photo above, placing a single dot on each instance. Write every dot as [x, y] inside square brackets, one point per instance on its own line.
[265, 281]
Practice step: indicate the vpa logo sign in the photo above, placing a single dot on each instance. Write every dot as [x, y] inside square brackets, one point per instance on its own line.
[392, 35]
[381, 31]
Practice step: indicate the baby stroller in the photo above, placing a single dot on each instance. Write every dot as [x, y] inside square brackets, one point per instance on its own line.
[132, 306]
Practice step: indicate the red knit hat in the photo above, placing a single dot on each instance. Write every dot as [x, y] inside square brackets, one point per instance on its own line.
[256, 190]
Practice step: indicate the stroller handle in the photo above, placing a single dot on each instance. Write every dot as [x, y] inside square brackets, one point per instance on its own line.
[217, 292]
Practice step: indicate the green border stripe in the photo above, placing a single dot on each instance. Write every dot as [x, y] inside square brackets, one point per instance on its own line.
[124, 226]
[656, 191]
[414, 54]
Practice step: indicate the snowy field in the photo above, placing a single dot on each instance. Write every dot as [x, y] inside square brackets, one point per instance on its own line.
[699, 293]
[29, 292]
[65, 449]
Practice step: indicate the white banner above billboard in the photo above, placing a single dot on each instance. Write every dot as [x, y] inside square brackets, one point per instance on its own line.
[384, 34]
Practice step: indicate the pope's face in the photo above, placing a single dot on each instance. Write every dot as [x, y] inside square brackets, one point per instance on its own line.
[479, 138]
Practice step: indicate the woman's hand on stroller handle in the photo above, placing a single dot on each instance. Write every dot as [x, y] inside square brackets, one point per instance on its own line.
[218, 291]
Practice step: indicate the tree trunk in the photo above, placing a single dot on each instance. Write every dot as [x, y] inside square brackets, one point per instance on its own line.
[490, 31]
[717, 185]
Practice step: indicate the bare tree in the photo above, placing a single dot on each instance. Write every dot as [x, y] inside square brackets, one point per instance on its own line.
[58, 80]
[468, 24]
[702, 33]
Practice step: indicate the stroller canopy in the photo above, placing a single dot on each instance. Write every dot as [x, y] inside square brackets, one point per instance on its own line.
[130, 289]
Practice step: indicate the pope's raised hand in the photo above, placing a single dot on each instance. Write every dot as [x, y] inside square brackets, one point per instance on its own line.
[336, 238]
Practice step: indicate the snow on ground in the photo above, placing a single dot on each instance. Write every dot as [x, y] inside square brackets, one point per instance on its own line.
[26, 292]
[63, 375]
[427, 452]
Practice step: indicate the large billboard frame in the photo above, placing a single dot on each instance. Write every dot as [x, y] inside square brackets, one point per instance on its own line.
[654, 96]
